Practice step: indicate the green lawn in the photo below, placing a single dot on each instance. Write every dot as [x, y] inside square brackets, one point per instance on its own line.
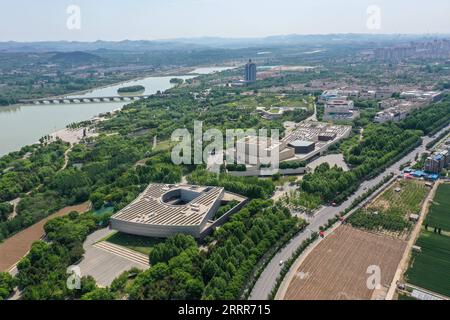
[406, 201]
[439, 215]
[272, 101]
[103, 210]
[430, 269]
[137, 243]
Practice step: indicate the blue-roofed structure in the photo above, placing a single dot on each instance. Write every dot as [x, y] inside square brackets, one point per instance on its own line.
[432, 177]
[419, 174]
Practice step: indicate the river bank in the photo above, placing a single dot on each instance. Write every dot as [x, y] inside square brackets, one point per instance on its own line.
[199, 70]
[23, 125]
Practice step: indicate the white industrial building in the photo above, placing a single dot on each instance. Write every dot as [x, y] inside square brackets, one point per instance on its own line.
[340, 109]
[308, 140]
[418, 95]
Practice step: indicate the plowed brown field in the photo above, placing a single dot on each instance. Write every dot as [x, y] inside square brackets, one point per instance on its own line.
[337, 268]
[16, 247]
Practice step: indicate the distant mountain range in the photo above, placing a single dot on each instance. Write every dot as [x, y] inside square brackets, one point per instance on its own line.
[303, 39]
[75, 58]
[207, 42]
[65, 46]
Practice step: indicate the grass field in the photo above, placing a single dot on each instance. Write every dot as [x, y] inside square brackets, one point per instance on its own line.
[402, 203]
[391, 210]
[140, 244]
[272, 101]
[430, 269]
[439, 215]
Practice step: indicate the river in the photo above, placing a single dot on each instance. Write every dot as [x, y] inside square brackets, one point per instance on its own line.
[25, 124]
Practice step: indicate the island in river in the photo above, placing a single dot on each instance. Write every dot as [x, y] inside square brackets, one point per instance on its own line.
[131, 89]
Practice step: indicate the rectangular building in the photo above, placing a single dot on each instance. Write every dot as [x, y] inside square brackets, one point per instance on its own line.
[302, 147]
[339, 109]
[436, 163]
[250, 72]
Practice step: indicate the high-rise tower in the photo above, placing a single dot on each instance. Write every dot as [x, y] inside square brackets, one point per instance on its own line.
[250, 72]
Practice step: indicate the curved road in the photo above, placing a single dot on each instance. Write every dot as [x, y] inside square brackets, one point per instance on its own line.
[267, 280]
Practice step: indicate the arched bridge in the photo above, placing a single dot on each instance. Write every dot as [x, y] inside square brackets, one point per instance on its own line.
[69, 100]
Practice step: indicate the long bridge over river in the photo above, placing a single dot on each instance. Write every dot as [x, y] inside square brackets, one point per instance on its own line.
[69, 100]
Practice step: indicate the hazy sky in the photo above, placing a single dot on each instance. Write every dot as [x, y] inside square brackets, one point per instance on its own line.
[37, 20]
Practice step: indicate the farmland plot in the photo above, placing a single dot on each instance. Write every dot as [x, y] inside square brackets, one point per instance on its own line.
[17, 246]
[337, 269]
[430, 268]
[439, 214]
[389, 212]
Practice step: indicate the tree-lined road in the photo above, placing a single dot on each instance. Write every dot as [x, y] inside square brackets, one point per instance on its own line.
[267, 280]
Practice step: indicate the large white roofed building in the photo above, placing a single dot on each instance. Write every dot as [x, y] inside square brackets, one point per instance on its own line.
[163, 210]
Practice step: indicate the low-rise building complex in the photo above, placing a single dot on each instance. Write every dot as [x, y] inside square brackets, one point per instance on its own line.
[308, 140]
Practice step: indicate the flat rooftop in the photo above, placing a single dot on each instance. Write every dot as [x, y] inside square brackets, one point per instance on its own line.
[167, 204]
[338, 102]
[310, 131]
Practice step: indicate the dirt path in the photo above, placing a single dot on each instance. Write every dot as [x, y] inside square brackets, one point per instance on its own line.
[17, 246]
[404, 262]
[14, 203]
[66, 157]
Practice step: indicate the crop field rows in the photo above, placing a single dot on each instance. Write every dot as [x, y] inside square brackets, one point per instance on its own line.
[439, 215]
[337, 268]
[430, 268]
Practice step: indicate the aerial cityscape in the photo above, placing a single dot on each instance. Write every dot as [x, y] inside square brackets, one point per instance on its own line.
[214, 160]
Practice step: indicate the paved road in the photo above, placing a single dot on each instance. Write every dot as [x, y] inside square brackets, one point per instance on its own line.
[268, 278]
[313, 117]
